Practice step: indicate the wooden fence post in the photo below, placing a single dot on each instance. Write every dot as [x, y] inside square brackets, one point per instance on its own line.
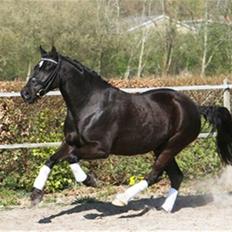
[226, 95]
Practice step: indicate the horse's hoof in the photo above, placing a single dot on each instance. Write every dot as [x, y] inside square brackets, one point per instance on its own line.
[120, 200]
[90, 181]
[163, 209]
[36, 196]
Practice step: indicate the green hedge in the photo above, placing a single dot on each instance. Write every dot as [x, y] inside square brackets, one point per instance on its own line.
[197, 160]
[44, 122]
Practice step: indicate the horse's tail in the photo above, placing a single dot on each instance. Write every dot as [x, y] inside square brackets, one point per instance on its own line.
[221, 120]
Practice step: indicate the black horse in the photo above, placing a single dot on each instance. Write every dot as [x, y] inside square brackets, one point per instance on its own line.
[102, 120]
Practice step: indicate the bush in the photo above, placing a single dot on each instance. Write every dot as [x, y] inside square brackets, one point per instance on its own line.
[43, 121]
[20, 167]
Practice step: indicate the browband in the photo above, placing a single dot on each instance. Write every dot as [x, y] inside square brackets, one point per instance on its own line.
[47, 59]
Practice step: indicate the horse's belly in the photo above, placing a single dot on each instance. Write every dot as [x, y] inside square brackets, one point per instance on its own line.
[130, 151]
[132, 145]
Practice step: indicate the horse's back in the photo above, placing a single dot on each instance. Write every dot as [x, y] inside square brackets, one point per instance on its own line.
[172, 100]
[151, 118]
[181, 109]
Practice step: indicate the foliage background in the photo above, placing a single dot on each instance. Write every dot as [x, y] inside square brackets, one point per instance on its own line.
[96, 33]
[43, 121]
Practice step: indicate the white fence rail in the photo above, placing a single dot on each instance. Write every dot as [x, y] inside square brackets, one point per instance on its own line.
[226, 97]
[54, 144]
[224, 86]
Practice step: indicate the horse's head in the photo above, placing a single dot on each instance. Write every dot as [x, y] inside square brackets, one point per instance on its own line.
[43, 77]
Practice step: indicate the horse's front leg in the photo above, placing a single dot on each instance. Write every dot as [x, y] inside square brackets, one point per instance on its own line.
[37, 192]
[66, 152]
[79, 174]
[93, 150]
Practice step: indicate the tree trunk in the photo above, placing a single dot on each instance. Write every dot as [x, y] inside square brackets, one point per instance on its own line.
[205, 41]
[140, 65]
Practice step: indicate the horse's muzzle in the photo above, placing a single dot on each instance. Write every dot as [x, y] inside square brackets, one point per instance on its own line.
[27, 96]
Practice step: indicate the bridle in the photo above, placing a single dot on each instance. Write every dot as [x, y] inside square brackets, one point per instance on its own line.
[48, 59]
[51, 78]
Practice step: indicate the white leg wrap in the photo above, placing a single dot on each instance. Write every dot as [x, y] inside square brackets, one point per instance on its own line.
[170, 200]
[123, 198]
[42, 177]
[78, 173]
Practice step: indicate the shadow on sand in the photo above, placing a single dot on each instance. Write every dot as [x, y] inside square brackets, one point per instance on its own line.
[137, 207]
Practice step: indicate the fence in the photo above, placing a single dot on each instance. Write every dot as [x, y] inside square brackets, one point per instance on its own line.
[226, 101]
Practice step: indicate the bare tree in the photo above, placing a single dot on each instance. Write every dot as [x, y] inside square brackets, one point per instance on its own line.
[205, 40]
[210, 50]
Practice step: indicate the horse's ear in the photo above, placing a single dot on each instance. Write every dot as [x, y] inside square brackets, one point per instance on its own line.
[53, 53]
[42, 51]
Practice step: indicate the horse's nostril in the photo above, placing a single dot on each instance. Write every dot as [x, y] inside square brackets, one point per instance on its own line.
[25, 94]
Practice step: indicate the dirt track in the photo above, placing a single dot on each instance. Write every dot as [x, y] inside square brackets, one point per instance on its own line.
[192, 212]
[202, 205]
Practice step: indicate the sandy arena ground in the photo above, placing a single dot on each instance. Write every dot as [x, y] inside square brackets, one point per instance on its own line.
[193, 212]
[207, 205]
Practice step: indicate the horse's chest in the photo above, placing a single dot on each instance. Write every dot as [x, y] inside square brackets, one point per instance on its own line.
[90, 122]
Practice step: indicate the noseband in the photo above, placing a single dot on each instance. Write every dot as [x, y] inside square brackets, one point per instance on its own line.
[51, 78]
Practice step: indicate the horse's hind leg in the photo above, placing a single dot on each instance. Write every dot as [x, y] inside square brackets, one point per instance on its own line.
[164, 157]
[165, 161]
[176, 176]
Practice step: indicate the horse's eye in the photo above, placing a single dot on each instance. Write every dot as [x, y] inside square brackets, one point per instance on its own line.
[33, 80]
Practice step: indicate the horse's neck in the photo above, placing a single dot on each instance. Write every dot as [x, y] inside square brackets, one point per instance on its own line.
[77, 89]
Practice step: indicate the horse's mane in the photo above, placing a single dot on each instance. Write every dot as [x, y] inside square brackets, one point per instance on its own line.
[83, 69]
